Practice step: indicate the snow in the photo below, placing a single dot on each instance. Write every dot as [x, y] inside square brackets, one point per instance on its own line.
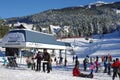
[109, 44]
[27, 26]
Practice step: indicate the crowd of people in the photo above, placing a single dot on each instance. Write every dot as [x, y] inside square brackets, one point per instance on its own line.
[41, 58]
[76, 71]
[95, 64]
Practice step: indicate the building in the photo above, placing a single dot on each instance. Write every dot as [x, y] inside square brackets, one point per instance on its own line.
[26, 26]
[29, 39]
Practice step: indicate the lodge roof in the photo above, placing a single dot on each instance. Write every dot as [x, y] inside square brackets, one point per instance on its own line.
[39, 37]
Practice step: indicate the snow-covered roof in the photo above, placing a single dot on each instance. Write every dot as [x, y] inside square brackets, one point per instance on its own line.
[29, 38]
[27, 26]
[54, 29]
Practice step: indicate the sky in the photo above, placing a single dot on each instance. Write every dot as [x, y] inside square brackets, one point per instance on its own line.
[18, 8]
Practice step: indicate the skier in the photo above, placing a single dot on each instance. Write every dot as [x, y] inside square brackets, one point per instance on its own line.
[92, 68]
[109, 67]
[39, 59]
[105, 66]
[32, 63]
[102, 58]
[96, 65]
[46, 57]
[28, 62]
[4, 61]
[109, 57]
[77, 61]
[55, 59]
[50, 64]
[116, 68]
[85, 64]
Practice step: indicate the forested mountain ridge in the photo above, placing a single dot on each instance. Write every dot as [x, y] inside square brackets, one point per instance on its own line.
[91, 19]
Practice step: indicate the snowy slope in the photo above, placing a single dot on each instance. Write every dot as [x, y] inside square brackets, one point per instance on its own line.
[109, 44]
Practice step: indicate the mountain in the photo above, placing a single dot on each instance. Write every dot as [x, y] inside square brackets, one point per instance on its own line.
[97, 18]
[114, 5]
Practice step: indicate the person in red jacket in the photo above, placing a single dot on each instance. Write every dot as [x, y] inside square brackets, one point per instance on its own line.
[116, 68]
[77, 73]
[110, 57]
